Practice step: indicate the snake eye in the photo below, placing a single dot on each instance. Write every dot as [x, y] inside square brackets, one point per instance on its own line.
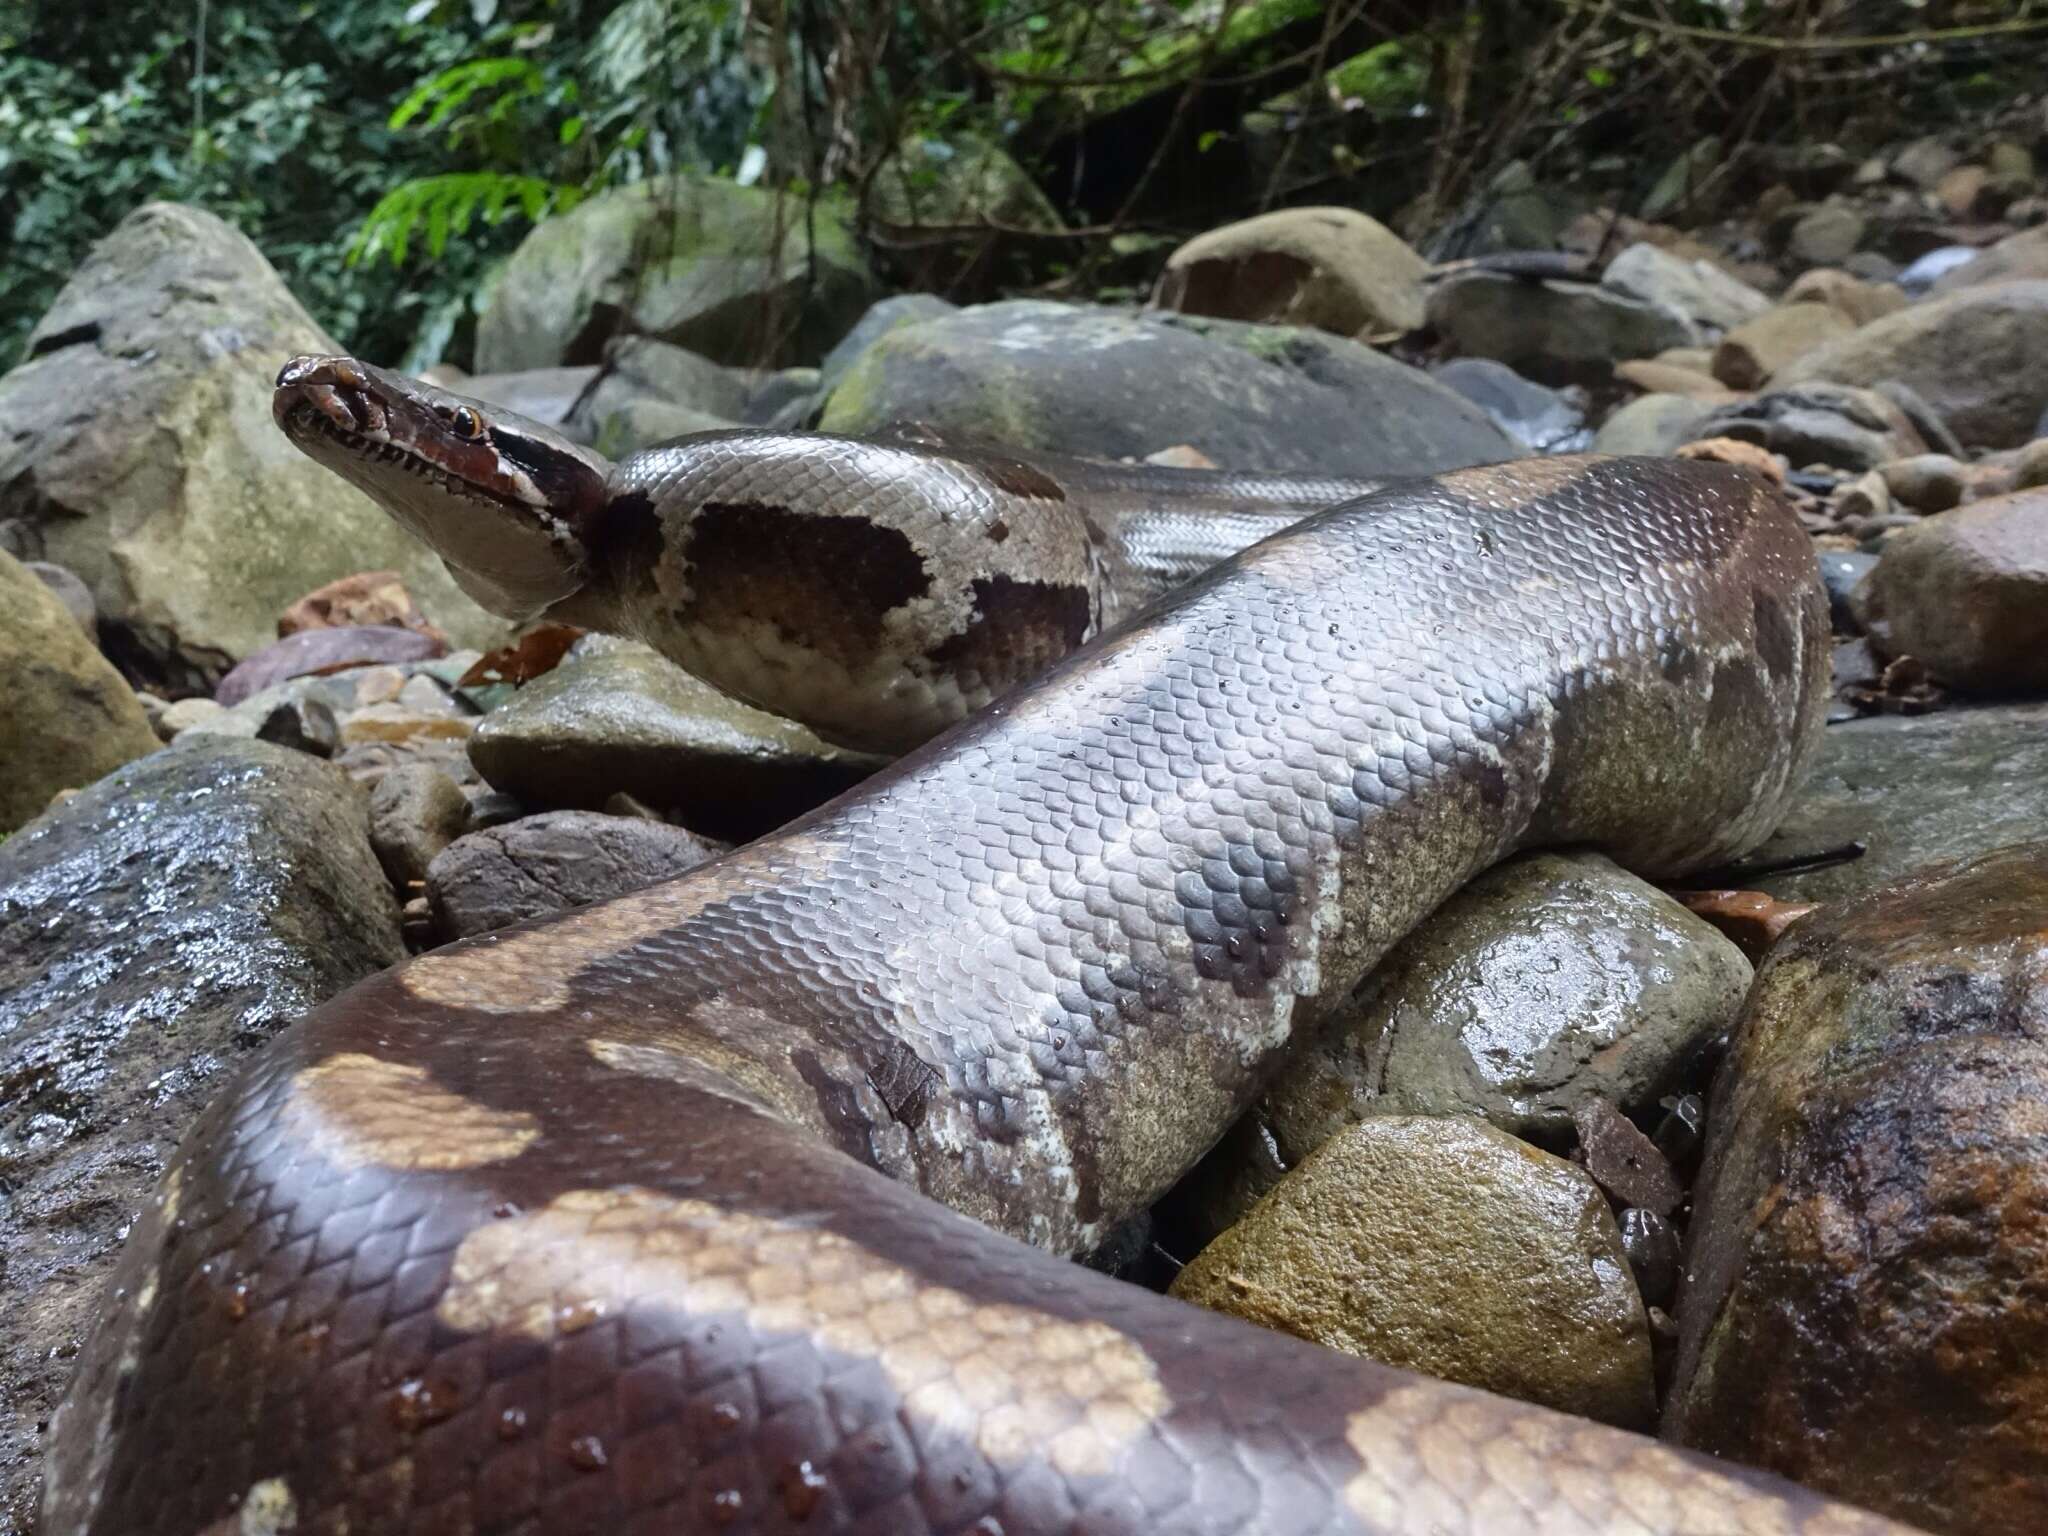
[466, 422]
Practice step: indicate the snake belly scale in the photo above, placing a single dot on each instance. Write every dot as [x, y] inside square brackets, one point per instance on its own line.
[735, 1204]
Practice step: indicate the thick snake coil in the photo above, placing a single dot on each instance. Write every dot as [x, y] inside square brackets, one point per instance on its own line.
[700, 1210]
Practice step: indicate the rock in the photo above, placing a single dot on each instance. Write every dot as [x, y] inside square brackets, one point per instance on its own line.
[1855, 300]
[1728, 450]
[546, 395]
[1550, 981]
[1875, 267]
[1097, 381]
[1960, 190]
[1923, 417]
[366, 598]
[174, 497]
[1513, 212]
[1978, 357]
[960, 186]
[1447, 1247]
[2032, 468]
[623, 719]
[174, 720]
[1926, 482]
[882, 317]
[549, 863]
[74, 594]
[1924, 162]
[1827, 237]
[66, 716]
[1651, 1244]
[785, 400]
[725, 280]
[2005, 158]
[402, 723]
[304, 725]
[1861, 1310]
[1698, 289]
[648, 391]
[1623, 1161]
[1653, 424]
[154, 931]
[1752, 353]
[416, 810]
[1331, 268]
[2017, 258]
[1911, 790]
[325, 650]
[1668, 379]
[1853, 429]
[1541, 419]
[1929, 268]
[1752, 920]
[1552, 331]
[1966, 592]
[1840, 571]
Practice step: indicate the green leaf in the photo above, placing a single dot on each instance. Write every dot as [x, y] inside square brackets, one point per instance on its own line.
[572, 130]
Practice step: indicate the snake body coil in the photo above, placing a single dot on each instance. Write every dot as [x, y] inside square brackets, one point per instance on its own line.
[699, 1210]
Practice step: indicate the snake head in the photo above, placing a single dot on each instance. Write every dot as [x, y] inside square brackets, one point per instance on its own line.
[504, 501]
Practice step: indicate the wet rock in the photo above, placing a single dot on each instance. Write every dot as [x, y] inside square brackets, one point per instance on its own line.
[1978, 357]
[551, 862]
[1099, 381]
[1855, 299]
[1927, 482]
[1549, 982]
[625, 719]
[1653, 424]
[2017, 258]
[1656, 377]
[1967, 593]
[304, 725]
[1331, 268]
[1854, 429]
[416, 810]
[366, 598]
[1651, 1243]
[1623, 1161]
[1444, 1246]
[1554, 332]
[1827, 237]
[728, 279]
[313, 651]
[1751, 354]
[1698, 289]
[74, 594]
[1910, 790]
[1750, 919]
[154, 931]
[66, 716]
[174, 497]
[648, 391]
[1543, 420]
[882, 317]
[1861, 1310]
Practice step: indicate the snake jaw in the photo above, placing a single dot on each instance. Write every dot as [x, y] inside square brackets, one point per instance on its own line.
[503, 500]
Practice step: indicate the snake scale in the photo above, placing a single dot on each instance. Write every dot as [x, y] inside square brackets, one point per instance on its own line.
[737, 1204]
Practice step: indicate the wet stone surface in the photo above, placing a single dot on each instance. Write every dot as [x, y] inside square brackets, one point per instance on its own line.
[154, 930]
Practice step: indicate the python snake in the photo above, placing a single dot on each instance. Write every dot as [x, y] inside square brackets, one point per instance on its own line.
[736, 1204]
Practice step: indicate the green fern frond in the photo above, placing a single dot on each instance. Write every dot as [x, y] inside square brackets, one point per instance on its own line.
[446, 206]
[450, 91]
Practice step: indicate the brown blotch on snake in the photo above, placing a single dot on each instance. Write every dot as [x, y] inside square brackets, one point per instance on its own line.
[1356, 717]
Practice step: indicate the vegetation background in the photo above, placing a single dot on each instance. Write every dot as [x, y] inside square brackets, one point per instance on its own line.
[386, 153]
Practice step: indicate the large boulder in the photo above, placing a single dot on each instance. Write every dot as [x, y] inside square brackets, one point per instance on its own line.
[154, 931]
[1549, 982]
[2017, 258]
[1332, 268]
[932, 188]
[1894, 793]
[1552, 331]
[66, 716]
[1110, 383]
[1978, 357]
[1966, 592]
[725, 270]
[137, 448]
[1444, 1246]
[1863, 1308]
